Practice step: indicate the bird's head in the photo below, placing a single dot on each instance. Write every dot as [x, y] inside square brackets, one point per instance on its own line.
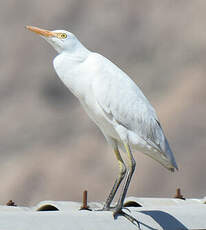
[61, 40]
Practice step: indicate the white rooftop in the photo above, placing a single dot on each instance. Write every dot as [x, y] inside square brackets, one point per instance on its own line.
[152, 213]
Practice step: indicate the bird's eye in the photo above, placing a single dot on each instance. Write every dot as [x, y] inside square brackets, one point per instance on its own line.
[62, 35]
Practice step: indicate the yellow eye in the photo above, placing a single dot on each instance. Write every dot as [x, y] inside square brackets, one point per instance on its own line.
[62, 35]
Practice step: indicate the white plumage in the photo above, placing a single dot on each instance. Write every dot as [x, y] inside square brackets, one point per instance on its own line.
[114, 102]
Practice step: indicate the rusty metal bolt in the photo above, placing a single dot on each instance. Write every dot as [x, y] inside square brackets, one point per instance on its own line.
[84, 202]
[178, 194]
[11, 203]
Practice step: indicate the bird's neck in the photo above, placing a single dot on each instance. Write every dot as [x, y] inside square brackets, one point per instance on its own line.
[78, 53]
[68, 66]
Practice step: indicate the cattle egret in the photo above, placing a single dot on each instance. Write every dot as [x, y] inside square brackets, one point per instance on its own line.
[116, 105]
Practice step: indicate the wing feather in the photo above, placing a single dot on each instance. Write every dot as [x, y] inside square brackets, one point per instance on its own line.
[122, 100]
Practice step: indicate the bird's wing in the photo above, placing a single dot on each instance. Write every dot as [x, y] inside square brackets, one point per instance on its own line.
[121, 100]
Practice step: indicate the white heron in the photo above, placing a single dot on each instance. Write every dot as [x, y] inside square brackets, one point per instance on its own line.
[114, 102]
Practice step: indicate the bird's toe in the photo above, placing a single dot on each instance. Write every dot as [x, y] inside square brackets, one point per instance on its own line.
[118, 212]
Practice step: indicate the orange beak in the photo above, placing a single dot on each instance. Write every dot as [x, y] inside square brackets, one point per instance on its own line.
[45, 33]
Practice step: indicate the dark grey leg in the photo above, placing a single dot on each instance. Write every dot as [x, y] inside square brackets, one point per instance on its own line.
[119, 206]
[122, 171]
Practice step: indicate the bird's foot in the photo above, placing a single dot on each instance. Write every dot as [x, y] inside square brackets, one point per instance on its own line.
[106, 208]
[118, 212]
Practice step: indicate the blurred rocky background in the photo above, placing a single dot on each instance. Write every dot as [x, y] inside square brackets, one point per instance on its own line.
[49, 149]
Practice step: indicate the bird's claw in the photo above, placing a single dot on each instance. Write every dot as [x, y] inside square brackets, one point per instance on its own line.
[105, 208]
[108, 208]
[127, 216]
[118, 212]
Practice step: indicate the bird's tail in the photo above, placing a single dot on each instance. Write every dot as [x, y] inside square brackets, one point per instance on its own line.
[163, 155]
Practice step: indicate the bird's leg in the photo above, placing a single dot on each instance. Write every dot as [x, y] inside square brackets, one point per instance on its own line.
[122, 171]
[131, 168]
